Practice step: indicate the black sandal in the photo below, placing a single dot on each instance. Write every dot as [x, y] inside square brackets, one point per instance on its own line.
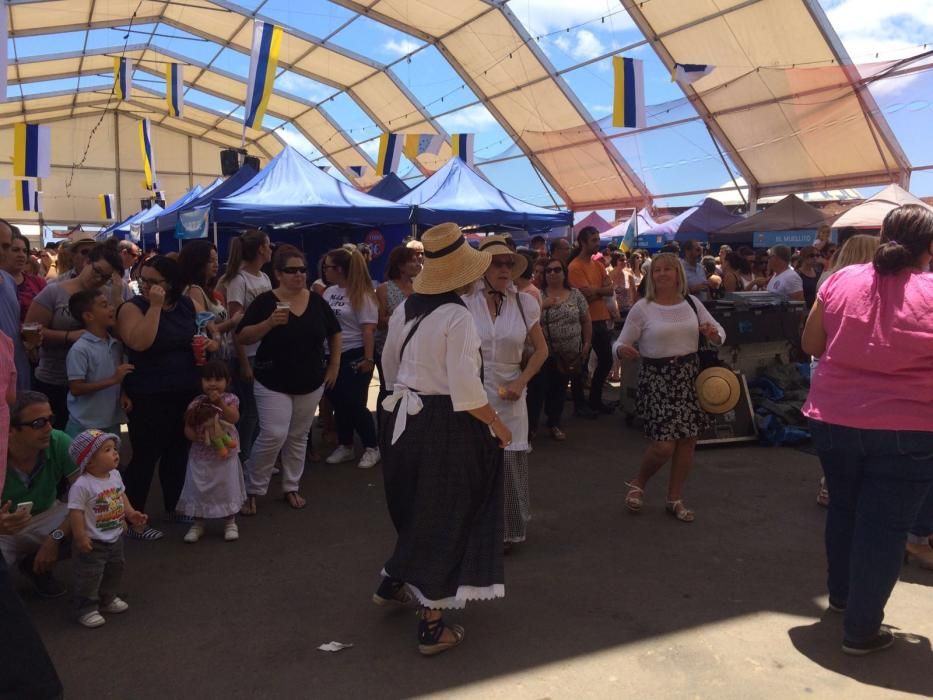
[393, 591]
[430, 633]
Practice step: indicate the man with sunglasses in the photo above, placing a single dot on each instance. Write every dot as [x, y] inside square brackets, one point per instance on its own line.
[37, 462]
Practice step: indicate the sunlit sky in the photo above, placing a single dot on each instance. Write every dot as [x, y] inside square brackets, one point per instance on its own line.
[668, 161]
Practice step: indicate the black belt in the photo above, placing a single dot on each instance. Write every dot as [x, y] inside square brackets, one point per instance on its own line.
[664, 361]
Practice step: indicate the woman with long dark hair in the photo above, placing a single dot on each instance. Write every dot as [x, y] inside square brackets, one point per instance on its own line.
[353, 301]
[198, 266]
[871, 417]
[28, 285]
[158, 327]
[403, 266]
[243, 281]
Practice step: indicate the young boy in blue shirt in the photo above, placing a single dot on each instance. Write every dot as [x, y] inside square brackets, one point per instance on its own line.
[95, 368]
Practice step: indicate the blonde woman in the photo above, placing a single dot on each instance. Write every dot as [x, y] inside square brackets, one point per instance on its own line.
[352, 299]
[858, 250]
[663, 329]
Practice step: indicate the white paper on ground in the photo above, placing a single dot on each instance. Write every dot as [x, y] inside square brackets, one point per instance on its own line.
[334, 646]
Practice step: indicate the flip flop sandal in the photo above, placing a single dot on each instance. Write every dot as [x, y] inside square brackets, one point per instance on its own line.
[291, 498]
[249, 507]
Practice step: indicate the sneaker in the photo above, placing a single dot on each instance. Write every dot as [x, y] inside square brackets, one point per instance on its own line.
[341, 454]
[882, 640]
[370, 459]
[194, 533]
[92, 619]
[117, 605]
[148, 534]
[231, 532]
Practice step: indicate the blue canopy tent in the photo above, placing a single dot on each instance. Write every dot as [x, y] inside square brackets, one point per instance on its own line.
[291, 190]
[390, 188]
[458, 193]
[696, 223]
[150, 227]
[122, 229]
[165, 222]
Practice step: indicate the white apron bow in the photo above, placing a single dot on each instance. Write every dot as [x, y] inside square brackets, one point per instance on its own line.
[411, 406]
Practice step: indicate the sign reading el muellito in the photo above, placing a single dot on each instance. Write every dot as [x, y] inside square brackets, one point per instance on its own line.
[192, 224]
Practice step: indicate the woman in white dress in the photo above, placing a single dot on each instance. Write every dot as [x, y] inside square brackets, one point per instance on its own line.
[505, 318]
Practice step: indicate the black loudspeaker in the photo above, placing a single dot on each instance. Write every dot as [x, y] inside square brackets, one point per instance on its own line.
[229, 161]
[253, 162]
[145, 203]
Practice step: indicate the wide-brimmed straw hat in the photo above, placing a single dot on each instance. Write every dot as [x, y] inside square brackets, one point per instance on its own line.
[449, 261]
[718, 389]
[496, 245]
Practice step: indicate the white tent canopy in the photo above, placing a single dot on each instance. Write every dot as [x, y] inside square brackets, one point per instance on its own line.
[871, 212]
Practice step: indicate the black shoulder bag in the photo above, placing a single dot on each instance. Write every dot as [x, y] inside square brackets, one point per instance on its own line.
[707, 353]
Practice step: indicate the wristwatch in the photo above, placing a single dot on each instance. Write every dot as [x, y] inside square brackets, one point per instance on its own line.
[57, 535]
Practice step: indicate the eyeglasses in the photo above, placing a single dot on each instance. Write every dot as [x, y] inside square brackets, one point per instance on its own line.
[149, 282]
[554, 270]
[504, 263]
[37, 424]
[294, 270]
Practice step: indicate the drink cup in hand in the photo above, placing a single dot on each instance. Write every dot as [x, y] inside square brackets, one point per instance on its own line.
[199, 347]
[32, 333]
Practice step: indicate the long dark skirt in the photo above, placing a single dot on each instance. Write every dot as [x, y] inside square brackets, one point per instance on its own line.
[443, 483]
[667, 400]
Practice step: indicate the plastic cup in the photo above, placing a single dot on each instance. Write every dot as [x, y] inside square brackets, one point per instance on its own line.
[32, 332]
[199, 347]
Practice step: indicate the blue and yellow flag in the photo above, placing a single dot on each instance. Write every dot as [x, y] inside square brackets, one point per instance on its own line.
[267, 39]
[628, 106]
[145, 148]
[462, 147]
[390, 150]
[106, 207]
[174, 89]
[416, 144]
[122, 77]
[32, 151]
[26, 196]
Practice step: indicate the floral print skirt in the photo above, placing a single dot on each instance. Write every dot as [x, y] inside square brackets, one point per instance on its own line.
[667, 400]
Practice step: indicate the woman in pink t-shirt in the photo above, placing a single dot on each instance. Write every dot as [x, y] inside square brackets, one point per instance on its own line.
[871, 415]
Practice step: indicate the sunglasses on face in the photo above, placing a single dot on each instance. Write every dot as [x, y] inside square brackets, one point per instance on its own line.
[295, 270]
[38, 423]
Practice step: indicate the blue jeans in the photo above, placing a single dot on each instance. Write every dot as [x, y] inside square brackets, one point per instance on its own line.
[878, 481]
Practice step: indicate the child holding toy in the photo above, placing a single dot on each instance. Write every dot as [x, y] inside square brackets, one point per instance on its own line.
[214, 485]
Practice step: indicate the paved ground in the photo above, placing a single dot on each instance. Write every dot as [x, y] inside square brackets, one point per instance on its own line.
[600, 603]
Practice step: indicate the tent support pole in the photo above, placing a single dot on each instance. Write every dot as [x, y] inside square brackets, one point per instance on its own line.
[215, 234]
[752, 200]
[118, 209]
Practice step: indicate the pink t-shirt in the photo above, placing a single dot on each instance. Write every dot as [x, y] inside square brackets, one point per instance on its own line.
[877, 370]
[7, 380]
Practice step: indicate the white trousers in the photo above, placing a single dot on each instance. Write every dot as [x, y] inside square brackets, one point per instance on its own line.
[284, 422]
[28, 540]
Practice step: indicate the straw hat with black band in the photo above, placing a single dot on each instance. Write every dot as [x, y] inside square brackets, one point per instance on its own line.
[496, 245]
[718, 389]
[449, 261]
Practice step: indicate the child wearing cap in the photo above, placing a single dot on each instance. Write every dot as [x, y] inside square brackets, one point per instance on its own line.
[98, 509]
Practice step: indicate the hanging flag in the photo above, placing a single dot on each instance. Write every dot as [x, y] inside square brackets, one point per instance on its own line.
[145, 148]
[688, 73]
[462, 146]
[174, 89]
[122, 77]
[628, 109]
[267, 38]
[106, 206]
[416, 144]
[159, 196]
[390, 150]
[4, 56]
[27, 198]
[32, 150]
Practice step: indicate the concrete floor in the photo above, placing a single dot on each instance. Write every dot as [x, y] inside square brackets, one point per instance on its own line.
[599, 603]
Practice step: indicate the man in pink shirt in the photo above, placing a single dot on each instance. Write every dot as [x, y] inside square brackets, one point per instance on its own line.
[871, 416]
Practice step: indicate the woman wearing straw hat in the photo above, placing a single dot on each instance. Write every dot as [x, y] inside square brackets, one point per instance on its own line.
[667, 330]
[441, 447]
[504, 318]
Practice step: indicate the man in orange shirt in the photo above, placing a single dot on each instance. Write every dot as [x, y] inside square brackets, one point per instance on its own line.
[593, 282]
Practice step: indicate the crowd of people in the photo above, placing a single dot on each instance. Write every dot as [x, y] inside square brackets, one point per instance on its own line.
[219, 378]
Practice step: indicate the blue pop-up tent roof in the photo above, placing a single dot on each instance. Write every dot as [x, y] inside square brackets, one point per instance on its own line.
[458, 193]
[165, 222]
[149, 225]
[390, 188]
[124, 226]
[290, 189]
[697, 222]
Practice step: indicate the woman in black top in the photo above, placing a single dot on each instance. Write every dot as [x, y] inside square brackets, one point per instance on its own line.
[158, 327]
[290, 324]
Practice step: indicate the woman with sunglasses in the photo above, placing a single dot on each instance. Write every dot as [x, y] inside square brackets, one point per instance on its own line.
[59, 330]
[158, 328]
[352, 299]
[565, 320]
[505, 318]
[290, 325]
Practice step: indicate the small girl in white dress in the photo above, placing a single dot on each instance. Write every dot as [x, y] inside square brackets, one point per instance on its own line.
[214, 485]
